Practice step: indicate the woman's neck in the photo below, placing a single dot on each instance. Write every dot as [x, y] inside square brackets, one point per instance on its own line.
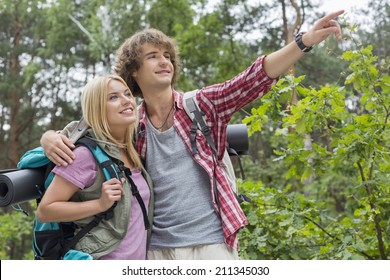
[125, 157]
[118, 134]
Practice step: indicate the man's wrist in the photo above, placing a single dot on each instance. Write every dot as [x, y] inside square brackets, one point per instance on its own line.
[45, 136]
[301, 45]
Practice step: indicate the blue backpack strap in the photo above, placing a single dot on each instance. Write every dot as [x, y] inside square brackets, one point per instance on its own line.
[104, 161]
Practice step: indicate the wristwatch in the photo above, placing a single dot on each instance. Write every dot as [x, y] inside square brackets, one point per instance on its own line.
[301, 45]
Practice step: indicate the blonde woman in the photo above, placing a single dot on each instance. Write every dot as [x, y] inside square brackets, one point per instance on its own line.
[78, 192]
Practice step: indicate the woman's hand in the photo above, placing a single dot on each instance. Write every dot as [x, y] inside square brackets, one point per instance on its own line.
[112, 191]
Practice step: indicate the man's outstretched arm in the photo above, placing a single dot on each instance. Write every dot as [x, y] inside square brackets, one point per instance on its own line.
[278, 62]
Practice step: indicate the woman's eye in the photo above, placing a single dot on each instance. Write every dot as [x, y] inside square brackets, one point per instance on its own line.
[112, 97]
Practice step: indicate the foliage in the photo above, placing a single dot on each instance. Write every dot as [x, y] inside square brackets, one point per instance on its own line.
[15, 233]
[288, 225]
[335, 198]
[376, 27]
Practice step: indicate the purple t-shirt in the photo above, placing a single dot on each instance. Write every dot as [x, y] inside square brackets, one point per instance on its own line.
[82, 173]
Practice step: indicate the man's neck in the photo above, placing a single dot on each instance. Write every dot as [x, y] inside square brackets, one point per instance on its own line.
[158, 102]
[160, 109]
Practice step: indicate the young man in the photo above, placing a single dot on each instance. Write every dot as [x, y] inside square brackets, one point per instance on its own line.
[193, 217]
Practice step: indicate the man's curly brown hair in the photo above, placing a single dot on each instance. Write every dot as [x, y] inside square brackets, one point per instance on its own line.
[128, 56]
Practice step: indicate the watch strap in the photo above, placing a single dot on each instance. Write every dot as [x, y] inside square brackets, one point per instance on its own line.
[301, 45]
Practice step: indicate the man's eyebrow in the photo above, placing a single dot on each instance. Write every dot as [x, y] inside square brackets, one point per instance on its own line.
[149, 53]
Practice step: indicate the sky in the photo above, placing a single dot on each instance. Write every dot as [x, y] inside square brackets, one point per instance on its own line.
[351, 7]
[327, 5]
[347, 5]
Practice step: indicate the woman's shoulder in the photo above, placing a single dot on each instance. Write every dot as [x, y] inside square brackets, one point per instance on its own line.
[82, 171]
[83, 154]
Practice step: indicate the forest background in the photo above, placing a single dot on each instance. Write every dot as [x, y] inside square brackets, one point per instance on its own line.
[318, 165]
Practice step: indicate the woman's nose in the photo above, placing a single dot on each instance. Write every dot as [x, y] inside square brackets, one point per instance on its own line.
[126, 99]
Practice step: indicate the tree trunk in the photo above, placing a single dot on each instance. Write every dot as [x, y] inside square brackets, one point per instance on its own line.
[13, 154]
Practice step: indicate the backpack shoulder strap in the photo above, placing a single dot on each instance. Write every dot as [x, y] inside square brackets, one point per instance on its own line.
[190, 103]
[109, 168]
[191, 106]
[137, 127]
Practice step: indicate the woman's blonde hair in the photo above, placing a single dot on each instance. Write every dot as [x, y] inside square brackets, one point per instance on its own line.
[94, 104]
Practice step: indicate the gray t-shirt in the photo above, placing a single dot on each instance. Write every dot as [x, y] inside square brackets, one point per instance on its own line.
[183, 213]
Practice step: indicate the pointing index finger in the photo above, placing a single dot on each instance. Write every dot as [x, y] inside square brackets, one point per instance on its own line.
[332, 16]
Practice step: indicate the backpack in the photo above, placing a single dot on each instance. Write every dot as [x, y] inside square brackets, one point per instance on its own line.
[191, 106]
[52, 240]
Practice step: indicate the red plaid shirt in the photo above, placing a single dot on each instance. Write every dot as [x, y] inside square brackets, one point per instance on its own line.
[219, 102]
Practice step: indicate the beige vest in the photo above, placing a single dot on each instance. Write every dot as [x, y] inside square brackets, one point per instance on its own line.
[105, 237]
